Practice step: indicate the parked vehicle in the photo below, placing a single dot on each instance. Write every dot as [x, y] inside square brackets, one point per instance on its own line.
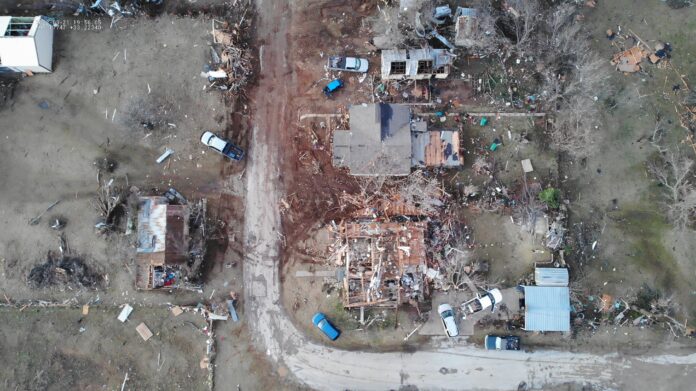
[448, 321]
[222, 146]
[333, 86]
[489, 300]
[320, 320]
[494, 342]
[348, 64]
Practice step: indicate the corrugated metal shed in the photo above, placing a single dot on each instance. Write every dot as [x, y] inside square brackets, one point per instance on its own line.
[551, 276]
[547, 308]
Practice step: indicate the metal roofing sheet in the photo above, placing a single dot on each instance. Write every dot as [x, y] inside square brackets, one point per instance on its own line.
[551, 276]
[547, 308]
[152, 223]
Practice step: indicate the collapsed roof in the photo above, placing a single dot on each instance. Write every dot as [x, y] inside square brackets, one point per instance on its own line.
[385, 263]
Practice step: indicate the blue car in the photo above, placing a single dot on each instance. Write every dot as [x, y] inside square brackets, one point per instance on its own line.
[327, 328]
[333, 86]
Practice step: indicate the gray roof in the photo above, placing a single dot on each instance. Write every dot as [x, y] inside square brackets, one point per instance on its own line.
[378, 142]
[551, 276]
[547, 308]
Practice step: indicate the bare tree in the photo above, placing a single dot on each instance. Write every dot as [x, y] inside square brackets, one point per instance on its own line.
[675, 173]
[574, 78]
[526, 18]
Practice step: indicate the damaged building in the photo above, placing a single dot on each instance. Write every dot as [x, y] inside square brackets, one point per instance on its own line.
[416, 64]
[384, 139]
[170, 242]
[385, 263]
[466, 28]
[435, 149]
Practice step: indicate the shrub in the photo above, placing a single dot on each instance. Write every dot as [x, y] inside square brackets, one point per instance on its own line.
[551, 197]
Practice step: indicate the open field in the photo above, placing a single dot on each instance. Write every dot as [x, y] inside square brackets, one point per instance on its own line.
[60, 348]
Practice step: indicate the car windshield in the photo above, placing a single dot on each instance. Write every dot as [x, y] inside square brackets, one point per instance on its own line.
[447, 314]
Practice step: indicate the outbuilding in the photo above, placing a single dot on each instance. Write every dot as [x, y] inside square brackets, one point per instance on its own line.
[26, 44]
[546, 308]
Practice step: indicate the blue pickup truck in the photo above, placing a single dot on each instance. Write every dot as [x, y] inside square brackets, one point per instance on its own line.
[325, 326]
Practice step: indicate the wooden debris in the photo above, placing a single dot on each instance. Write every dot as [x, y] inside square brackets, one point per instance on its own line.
[628, 61]
[527, 165]
[85, 309]
[144, 331]
[176, 311]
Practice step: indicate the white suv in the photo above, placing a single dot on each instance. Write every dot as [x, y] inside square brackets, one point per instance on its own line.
[448, 321]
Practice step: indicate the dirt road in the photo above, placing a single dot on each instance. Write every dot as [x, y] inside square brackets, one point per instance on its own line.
[447, 366]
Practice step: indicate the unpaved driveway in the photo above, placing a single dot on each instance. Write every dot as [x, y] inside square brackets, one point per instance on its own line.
[440, 367]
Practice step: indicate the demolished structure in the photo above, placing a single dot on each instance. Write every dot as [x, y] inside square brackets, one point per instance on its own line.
[416, 64]
[167, 248]
[385, 263]
[466, 28]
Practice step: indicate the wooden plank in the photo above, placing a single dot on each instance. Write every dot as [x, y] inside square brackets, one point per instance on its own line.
[144, 331]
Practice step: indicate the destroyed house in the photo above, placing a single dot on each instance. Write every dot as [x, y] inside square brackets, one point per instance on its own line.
[163, 242]
[378, 142]
[416, 64]
[466, 28]
[26, 44]
[385, 263]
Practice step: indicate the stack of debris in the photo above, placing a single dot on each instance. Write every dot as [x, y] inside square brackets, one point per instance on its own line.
[231, 56]
[63, 270]
[629, 60]
[555, 234]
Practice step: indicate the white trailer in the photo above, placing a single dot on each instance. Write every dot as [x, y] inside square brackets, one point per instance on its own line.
[26, 44]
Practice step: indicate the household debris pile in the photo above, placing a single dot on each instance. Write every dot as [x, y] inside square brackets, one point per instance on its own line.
[64, 269]
[232, 59]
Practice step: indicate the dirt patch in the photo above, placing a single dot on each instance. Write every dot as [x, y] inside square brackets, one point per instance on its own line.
[95, 351]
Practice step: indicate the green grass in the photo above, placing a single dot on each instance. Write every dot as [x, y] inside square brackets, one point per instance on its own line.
[645, 230]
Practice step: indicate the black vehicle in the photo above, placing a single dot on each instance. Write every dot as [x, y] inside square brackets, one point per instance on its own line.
[494, 342]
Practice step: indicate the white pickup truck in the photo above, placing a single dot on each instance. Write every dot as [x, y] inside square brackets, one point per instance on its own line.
[489, 300]
[348, 64]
